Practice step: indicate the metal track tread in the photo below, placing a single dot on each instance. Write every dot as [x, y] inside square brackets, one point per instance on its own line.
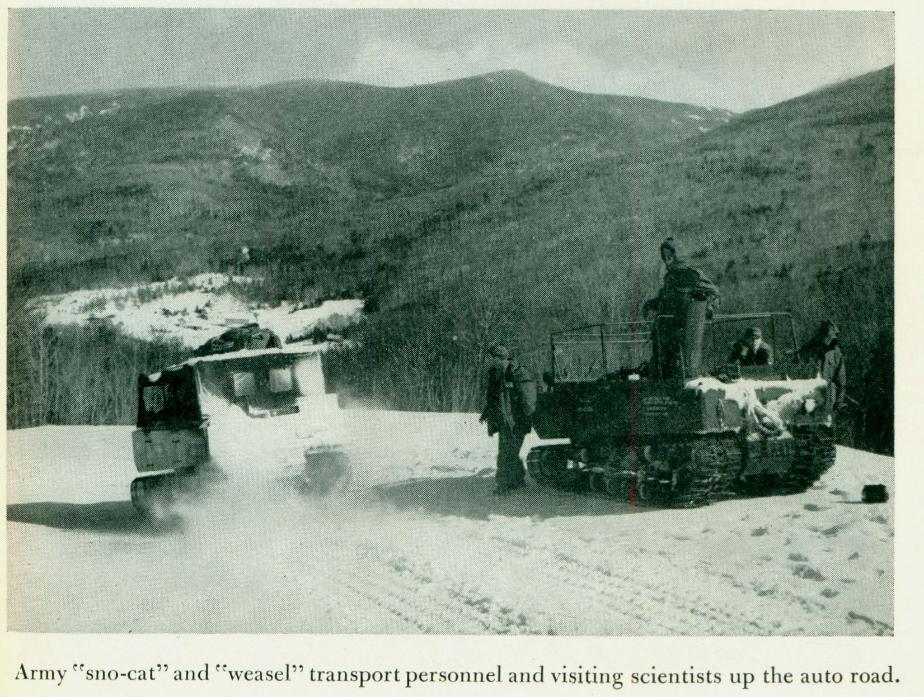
[709, 473]
[705, 472]
[548, 466]
[815, 454]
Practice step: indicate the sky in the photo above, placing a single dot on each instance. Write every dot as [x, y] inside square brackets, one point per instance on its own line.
[737, 60]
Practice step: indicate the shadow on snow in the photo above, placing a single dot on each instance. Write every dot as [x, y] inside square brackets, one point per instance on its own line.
[473, 497]
[118, 517]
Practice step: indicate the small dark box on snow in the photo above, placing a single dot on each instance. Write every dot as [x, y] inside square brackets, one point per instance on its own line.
[875, 493]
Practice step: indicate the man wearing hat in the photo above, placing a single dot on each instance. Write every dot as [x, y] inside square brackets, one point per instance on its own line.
[509, 405]
[682, 283]
[751, 349]
[825, 352]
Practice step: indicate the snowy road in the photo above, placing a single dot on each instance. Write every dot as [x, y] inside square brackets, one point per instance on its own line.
[418, 544]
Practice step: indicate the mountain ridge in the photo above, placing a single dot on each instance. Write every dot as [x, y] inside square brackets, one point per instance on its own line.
[470, 212]
[330, 140]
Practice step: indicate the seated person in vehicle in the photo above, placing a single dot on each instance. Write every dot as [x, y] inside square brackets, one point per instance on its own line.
[751, 349]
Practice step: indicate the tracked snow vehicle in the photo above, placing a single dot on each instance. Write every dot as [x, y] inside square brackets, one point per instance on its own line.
[659, 416]
[221, 415]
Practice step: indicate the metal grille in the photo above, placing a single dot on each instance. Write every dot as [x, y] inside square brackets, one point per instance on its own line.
[594, 351]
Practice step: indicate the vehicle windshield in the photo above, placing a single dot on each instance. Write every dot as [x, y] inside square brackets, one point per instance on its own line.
[169, 400]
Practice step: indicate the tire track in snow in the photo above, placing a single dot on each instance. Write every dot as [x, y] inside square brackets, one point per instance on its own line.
[634, 598]
[379, 595]
[562, 568]
[737, 619]
[627, 600]
[450, 606]
[339, 577]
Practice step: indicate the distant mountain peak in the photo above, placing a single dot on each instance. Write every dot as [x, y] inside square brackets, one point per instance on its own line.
[507, 78]
[508, 74]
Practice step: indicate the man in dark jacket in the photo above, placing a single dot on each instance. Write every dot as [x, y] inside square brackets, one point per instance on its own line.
[825, 352]
[509, 405]
[751, 349]
[682, 283]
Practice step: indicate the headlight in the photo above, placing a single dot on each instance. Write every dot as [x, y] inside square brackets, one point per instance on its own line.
[809, 406]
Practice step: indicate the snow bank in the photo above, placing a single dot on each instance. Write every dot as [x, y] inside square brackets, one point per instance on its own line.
[74, 464]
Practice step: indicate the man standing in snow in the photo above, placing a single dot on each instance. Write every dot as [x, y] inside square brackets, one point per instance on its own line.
[825, 352]
[682, 283]
[510, 399]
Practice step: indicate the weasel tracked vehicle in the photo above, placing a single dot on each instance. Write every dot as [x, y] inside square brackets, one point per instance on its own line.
[676, 424]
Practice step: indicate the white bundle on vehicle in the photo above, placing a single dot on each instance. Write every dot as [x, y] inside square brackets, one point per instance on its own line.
[768, 419]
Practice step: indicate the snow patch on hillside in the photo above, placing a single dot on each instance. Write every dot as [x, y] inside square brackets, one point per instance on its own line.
[192, 310]
[78, 115]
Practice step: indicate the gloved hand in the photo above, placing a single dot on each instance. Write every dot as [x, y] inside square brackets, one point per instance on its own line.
[713, 302]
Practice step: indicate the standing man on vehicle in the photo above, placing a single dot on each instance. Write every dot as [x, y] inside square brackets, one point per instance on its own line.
[510, 401]
[682, 283]
[824, 350]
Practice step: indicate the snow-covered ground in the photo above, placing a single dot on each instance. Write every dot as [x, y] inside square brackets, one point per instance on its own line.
[192, 310]
[417, 543]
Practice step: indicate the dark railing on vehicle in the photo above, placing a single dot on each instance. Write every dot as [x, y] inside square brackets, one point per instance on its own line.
[595, 351]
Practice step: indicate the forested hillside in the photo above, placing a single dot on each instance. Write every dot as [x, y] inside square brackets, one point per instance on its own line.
[495, 207]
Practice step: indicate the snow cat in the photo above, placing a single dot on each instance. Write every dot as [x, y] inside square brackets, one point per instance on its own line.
[658, 412]
[243, 402]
